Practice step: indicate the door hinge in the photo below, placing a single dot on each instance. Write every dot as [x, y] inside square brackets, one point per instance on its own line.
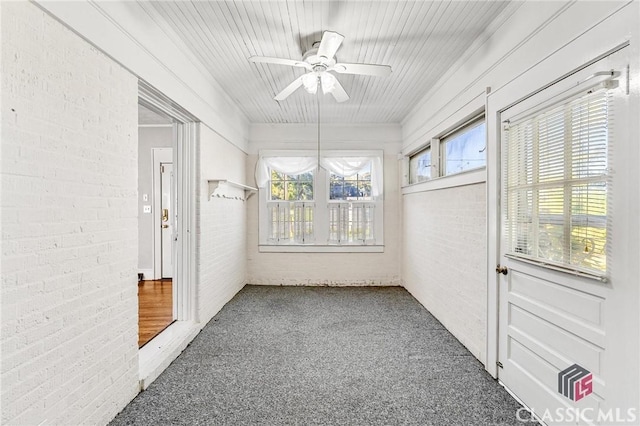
[499, 364]
[161, 169]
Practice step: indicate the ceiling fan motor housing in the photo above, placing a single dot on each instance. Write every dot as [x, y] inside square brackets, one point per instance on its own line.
[311, 57]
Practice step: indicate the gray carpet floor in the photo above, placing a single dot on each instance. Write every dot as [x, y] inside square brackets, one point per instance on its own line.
[323, 356]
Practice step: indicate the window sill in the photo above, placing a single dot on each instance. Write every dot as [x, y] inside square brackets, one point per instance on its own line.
[319, 249]
[470, 177]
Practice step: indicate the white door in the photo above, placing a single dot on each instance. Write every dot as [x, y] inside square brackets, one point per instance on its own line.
[556, 308]
[166, 220]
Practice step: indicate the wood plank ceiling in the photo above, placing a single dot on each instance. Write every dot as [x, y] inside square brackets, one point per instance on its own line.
[420, 40]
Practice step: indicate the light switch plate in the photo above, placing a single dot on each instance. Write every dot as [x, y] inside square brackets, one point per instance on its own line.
[146, 209]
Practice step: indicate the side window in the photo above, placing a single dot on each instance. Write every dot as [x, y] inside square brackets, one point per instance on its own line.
[465, 148]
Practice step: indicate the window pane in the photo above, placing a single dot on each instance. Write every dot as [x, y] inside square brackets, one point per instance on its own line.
[420, 166]
[355, 187]
[465, 150]
[291, 187]
[556, 184]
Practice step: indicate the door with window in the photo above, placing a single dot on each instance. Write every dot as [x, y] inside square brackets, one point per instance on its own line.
[557, 295]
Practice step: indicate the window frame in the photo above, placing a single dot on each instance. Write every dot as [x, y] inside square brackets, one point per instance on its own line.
[471, 113]
[321, 189]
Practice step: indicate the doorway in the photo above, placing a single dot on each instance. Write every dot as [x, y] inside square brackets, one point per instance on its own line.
[156, 220]
[169, 207]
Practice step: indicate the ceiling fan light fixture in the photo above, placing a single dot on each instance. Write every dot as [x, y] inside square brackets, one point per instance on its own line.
[328, 82]
[310, 82]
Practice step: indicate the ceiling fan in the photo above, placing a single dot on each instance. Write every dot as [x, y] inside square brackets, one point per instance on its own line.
[319, 61]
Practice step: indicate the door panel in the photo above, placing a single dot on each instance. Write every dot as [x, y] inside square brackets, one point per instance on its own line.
[166, 221]
[549, 319]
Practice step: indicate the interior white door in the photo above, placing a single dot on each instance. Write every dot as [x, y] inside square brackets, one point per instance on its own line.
[551, 318]
[166, 219]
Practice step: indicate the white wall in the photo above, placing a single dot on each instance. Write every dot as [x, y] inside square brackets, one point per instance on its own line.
[444, 262]
[131, 37]
[328, 268]
[539, 43]
[534, 31]
[69, 207]
[222, 225]
[69, 225]
[148, 138]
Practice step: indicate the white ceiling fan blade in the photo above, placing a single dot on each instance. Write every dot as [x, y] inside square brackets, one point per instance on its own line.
[329, 44]
[338, 92]
[279, 61]
[289, 89]
[363, 69]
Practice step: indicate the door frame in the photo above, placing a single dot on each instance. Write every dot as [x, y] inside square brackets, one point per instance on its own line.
[185, 146]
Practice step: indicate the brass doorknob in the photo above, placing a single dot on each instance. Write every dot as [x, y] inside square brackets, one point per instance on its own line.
[501, 270]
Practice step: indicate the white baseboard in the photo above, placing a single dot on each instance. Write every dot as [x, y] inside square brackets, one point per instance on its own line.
[148, 273]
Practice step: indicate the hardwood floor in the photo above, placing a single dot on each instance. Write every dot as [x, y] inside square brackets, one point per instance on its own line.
[155, 308]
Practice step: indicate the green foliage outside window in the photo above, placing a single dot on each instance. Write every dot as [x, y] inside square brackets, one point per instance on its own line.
[291, 187]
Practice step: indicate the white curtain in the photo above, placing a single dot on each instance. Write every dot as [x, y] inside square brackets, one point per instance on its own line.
[343, 166]
[287, 165]
[349, 166]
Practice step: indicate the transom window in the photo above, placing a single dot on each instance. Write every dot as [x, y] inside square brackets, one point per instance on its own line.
[420, 166]
[455, 151]
[465, 149]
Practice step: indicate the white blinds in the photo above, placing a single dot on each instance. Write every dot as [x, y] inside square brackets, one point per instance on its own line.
[555, 175]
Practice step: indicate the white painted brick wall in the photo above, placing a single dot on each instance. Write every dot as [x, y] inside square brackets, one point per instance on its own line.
[444, 263]
[222, 225]
[335, 269]
[69, 236]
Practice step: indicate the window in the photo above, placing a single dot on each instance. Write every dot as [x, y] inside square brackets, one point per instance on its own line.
[420, 166]
[291, 207]
[556, 184]
[460, 149]
[464, 149]
[351, 222]
[336, 204]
